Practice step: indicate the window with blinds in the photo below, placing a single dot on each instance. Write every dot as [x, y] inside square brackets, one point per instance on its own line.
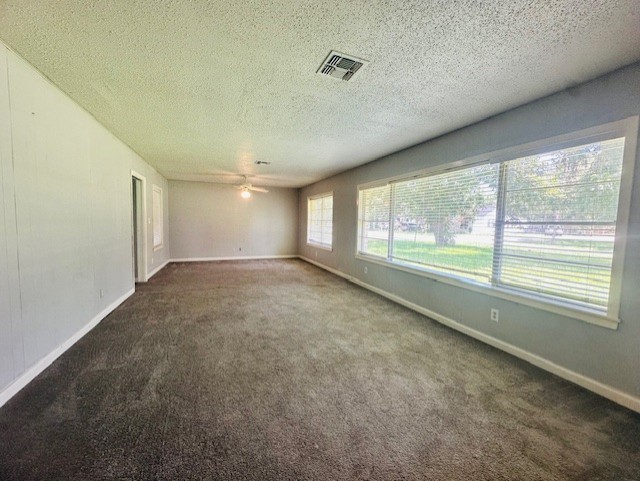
[542, 225]
[447, 221]
[320, 220]
[559, 223]
[374, 221]
[158, 218]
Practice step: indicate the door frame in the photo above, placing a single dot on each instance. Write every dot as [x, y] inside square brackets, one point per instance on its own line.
[142, 263]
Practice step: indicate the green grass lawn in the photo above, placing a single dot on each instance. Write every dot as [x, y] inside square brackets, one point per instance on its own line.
[459, 258]
[475, 262]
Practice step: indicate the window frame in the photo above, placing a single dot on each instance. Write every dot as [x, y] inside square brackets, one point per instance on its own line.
[320, 245]
[627, 128]
[160, 207]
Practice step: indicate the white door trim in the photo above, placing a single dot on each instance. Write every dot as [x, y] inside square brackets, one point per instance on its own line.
[143, 277]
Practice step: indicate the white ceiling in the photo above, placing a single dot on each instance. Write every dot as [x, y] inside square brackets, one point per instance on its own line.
[201, 88]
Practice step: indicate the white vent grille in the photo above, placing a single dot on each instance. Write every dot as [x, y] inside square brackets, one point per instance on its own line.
[340, 66]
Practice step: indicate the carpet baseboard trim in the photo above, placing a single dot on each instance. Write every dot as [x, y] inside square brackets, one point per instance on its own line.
[157, 269]
[26, 377]
[620, 397]
[236, 258]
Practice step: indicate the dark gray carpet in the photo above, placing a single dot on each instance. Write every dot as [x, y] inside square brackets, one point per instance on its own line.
[277, 370]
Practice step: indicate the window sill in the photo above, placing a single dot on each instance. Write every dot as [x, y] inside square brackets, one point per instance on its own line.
[324, 247]
[566, 310]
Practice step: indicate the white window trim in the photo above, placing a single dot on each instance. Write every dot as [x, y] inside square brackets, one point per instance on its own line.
[325, 247]
[627, 128]
[320, 246]
[157, 247]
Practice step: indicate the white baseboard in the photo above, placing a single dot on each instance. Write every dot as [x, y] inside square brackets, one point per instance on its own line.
[330, 269]
[46, 361]
[236, 258]
[615, 395]
[157, 269]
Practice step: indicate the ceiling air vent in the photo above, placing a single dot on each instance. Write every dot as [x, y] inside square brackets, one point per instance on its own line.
[340, 66]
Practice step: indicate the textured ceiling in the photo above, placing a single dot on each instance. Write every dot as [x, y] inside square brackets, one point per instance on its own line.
[201, 88]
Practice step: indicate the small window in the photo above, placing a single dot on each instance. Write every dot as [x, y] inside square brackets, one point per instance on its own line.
[157, 218]
[320, 220]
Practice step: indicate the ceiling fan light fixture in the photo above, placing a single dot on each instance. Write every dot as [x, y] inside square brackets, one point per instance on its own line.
[245, 194]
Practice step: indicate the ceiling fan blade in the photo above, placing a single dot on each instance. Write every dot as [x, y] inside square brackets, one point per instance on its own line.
[258, 189]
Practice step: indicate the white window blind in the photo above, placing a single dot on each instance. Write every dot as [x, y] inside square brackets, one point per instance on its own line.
[374, 221]
[447, 221]
[320, 220]
[560, 212]
[542, 225]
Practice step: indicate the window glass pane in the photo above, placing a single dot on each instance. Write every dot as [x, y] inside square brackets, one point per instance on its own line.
[320, 220]
[560, 219]
[565, 267]
[447, 221]
[374, 221]
[157, 216]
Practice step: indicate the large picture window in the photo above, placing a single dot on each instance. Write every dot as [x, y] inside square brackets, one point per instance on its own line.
[320, 220]
[542, 225]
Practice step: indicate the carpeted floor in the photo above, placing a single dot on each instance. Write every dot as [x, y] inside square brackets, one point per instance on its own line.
[277, 370]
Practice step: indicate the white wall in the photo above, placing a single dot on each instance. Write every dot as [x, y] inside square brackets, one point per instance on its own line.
[212, 221]
[605, 360]
[65, 220]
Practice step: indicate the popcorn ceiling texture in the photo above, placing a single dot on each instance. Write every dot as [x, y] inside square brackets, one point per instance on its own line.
[207, 87]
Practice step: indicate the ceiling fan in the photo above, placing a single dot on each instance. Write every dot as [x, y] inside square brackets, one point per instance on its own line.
[246, 188]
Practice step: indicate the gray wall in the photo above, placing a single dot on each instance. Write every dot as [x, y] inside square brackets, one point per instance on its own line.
[212, 220]
[65, 217]
[610, 357]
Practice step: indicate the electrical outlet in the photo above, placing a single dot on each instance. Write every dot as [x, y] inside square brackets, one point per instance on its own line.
[495, 315]
[365, 269]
